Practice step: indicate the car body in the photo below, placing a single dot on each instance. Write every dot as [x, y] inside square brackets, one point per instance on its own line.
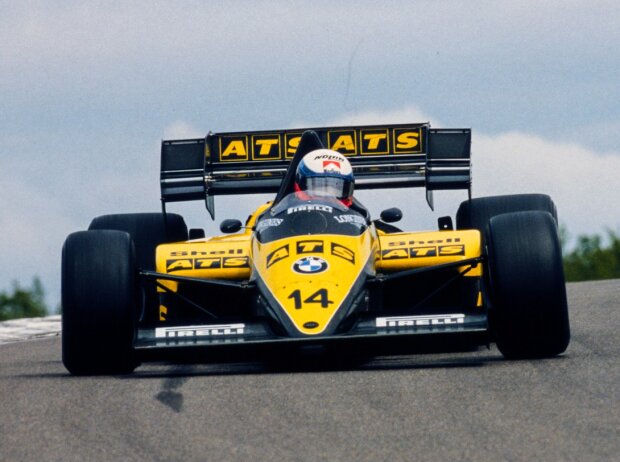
[305, 272]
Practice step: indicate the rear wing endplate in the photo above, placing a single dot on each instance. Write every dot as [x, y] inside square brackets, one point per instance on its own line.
[382, 157]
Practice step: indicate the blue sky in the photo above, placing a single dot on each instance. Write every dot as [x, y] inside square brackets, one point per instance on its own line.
[89, 89]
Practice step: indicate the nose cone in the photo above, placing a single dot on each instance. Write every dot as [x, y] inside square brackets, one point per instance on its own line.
[310, 283]
[312, 304]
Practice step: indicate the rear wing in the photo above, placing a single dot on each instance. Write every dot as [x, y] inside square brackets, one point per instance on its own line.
[382, 157]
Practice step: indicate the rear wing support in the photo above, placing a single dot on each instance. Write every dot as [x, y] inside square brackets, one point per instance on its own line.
[448, 162]
[382, 157]
[183, 170]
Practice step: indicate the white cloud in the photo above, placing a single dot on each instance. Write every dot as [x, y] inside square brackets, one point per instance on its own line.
[583, 183]
[180, 129]
[395, 116]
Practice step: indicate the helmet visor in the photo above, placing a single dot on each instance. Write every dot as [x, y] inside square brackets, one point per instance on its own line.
[328, 186]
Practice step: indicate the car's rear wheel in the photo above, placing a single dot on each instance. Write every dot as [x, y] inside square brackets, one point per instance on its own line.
[528, 314]
[476, 213]
[147, 230]
[98, 303]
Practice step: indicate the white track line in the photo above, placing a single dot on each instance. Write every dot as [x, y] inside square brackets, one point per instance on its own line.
[17, 330]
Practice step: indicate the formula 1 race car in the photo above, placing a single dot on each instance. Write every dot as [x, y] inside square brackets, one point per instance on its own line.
[313, 272]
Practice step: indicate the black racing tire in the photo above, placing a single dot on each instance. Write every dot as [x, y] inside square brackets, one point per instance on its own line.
[528, 315]
[98, 303]
[476, 213]
[147, 230]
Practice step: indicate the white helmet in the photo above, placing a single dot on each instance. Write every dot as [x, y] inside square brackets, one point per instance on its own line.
[324, 172]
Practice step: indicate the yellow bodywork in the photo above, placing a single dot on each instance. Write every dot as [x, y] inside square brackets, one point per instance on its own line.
[209, 259]
[311, 296]
[402, 251]
[311, 300]
[222, 257]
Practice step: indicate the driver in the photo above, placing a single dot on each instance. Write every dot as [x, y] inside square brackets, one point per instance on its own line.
[325, 173]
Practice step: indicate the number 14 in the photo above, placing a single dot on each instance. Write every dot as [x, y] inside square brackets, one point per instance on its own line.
[320, 296]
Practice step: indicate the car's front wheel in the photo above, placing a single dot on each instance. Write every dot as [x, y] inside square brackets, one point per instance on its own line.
[529, 313]
[98, 303]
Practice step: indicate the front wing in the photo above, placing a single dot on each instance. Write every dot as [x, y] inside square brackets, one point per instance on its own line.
[382, 334]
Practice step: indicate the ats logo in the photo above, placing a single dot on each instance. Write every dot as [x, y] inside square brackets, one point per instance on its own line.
[310, 246]
[255, 147]
[187, 264]
[278, 254]
[423, 251]
[376, 141]
[368, 141]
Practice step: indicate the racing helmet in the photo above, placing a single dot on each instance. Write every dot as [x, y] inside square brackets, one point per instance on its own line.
[327, 173]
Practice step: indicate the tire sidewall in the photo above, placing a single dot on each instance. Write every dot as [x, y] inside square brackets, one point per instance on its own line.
[99, 294]
[528, 313]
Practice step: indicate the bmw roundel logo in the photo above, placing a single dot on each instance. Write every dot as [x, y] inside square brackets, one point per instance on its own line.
[310, 265]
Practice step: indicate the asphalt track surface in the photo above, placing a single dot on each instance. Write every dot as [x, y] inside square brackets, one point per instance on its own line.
[449, 406]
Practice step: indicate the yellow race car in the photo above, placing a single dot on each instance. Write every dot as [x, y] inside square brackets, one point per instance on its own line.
[313, 272]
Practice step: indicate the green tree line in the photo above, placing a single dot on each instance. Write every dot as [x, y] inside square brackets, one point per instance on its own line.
[593, 257]
[23, 302]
